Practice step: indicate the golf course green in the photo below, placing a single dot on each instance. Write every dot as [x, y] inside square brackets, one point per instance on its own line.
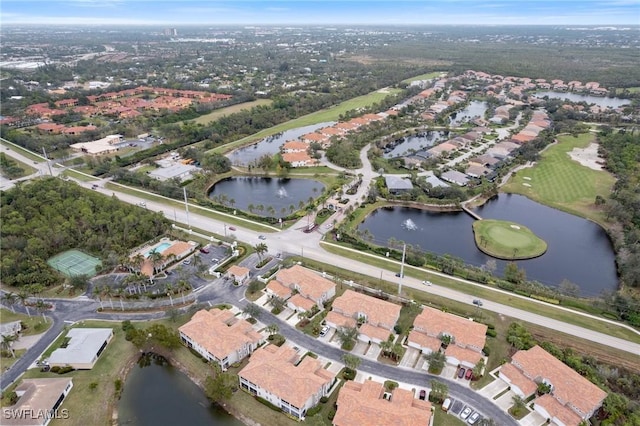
[507, 240]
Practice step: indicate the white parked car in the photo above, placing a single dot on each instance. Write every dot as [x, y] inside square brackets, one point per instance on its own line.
[473, 418]
[426, 282]
[324, 331]
[465, 413]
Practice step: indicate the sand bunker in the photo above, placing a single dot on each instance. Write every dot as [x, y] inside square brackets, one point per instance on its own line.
[587, 157]
[515, 226]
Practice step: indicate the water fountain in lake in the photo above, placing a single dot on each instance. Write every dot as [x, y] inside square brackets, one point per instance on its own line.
[409, 225]
[282, 193]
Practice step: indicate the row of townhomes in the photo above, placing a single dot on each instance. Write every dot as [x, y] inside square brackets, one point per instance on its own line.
[295, 381]
[568, 398]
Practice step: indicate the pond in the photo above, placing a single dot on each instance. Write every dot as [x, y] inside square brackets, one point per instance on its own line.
[271, 145]
[158, 394]
[267, 196]
[603, 102]
[412, 145]
[578, 250]
[475, 109]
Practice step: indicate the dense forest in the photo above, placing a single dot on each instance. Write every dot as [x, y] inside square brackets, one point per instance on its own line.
[622, 152]
[49, 216]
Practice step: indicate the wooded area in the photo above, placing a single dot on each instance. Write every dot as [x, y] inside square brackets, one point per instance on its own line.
[48, 216]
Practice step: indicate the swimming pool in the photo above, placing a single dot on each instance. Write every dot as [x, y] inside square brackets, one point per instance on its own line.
[159, 248]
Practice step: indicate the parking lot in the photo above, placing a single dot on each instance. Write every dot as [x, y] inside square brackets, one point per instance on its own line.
[464, 412]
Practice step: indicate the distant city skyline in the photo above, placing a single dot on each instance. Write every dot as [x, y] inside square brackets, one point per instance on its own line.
[326, 12]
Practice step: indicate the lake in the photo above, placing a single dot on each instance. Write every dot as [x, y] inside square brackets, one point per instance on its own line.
[271, 145]
[278, 193]
[161, 395]
[475, 109]
[578, 250]
[413, 144]
[589, 99]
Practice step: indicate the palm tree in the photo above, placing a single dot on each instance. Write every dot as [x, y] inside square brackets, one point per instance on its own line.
[120, 294]
[108, 292]
[96, 293]
[156, 259]
[169, 289]
[272, 329]
[6, 343]
[251, 207]
[271, 210]
[24, 296]
[138, 261]
[260, 249]
[182, 286]
[42, 307]
[10, 299]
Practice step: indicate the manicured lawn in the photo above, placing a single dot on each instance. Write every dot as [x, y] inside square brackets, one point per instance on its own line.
[507, 240]
[560, 182]
[32, 325]
[9, 361]
[328, 114]
[443, 419]
[214, 115]
[426, 76]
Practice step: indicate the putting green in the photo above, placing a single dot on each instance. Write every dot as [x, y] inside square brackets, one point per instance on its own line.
[507, 240]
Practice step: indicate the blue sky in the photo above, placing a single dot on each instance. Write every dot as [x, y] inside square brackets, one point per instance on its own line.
[214, 12]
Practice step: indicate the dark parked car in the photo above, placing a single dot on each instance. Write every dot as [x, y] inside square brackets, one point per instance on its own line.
[469, 374]
[423, 394]
[231, 228]
[204, 250]
[461, 373]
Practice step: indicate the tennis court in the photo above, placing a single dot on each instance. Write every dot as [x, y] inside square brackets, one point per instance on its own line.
[74, 262]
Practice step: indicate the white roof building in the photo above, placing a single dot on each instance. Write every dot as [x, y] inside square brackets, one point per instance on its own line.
[83, 348]
[180, 171]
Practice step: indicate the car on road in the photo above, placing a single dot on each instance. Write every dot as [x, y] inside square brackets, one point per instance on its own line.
[465, 413]
[262, 237]
[324, 331]
[426, 282]
[400, 275]
[142, 204]
[473, 419]
[469, 374]
[423, 394]
[232, 228]
[94, 186]
[204, 250]
[461, 373]
[477, 302]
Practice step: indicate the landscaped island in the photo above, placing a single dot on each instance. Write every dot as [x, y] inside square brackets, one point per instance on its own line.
[507, 240]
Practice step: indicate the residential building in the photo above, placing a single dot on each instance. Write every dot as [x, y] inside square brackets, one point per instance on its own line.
[398, 185]
[277, 375]
[239, 274]
[467, 337]
[310, 288]
[10, 328]
[572, 398]
[456, 177]
[378, 317]
[220, 337]
[83, 348]
[39, 401]
[367, 404]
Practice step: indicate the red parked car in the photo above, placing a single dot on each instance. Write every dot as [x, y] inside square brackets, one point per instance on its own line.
[469, 374]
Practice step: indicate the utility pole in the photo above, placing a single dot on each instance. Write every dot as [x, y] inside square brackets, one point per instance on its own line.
[186, 206]
[404, 251]
[47, 158]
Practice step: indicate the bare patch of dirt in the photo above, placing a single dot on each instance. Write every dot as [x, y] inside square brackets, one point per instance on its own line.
[587, 157]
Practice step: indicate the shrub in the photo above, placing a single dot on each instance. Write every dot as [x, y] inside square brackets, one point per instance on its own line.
[397, 329]
[314, 410]
[55, 369]
[65, 369]
[349, 374]
[390, 385]
[492, 333]
[486, 350]
[324, 399]
[332, 414]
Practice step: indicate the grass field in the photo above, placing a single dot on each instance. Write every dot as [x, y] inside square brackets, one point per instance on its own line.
[558, 181]
[507, 240]
[214, 115]
[328, 114]
[426, 76]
